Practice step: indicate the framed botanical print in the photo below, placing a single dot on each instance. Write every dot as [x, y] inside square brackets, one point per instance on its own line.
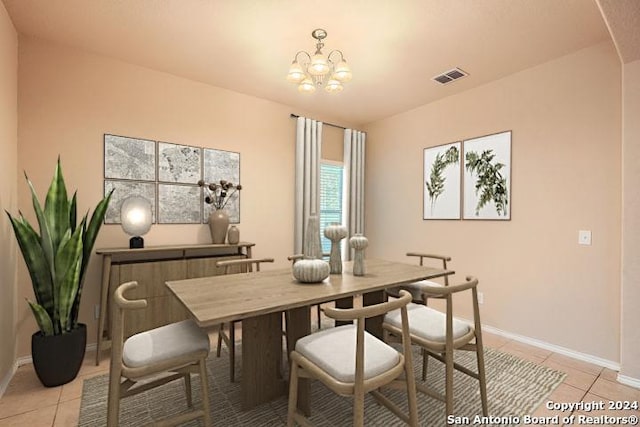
[487, 177]
[441, 182]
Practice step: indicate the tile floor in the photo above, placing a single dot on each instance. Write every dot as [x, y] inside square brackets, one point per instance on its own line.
[27, 402]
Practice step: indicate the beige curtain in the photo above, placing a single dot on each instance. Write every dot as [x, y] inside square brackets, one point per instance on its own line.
[353, 185]
[307, 186]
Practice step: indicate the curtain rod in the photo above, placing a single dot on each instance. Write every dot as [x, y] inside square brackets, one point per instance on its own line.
[295, 116]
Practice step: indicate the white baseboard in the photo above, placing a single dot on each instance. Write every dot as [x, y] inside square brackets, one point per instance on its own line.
[632, 382]
[7, 379]
[25, 360]
[556, 349]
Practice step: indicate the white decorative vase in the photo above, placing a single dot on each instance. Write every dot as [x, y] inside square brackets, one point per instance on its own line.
[359, 243]
[335, 232]
[311, 270]
[312, 246]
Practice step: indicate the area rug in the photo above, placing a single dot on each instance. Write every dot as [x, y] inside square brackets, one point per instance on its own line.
[515, 387]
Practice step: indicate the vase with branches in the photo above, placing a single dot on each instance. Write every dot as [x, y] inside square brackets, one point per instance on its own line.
[218, 195]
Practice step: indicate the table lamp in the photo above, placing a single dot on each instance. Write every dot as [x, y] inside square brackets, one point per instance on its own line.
[136, 218]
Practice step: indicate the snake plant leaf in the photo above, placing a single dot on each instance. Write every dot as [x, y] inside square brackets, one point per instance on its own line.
[42, 318]
[68, 265]
[45, 237]
[56, 208]
[73, 212]
[92, 230]
[36, 262]
[89, 239]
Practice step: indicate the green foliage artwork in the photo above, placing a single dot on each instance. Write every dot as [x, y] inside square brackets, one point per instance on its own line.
[436, 182]
[490, 185]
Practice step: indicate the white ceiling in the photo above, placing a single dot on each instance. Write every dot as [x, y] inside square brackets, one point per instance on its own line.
[393, 47]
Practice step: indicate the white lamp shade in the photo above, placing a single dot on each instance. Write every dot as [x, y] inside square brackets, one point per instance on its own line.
[296, 73]
[136, 216]
[342, 72]
[307, 86]
[318, 66]
[333, 86]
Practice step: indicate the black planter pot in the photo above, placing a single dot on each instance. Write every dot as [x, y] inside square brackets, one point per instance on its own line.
[57, 359]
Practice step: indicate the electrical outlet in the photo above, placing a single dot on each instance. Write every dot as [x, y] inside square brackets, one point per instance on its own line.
[584, 237]
[480, 298]
[96, 311]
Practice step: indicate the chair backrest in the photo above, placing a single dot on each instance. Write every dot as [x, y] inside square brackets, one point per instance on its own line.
[361, 314]
[294, 258]
[297, 257]
[117, 319]
[443, 258]
[246, 265]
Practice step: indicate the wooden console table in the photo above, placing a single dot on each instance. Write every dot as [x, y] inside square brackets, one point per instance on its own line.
[151, 267]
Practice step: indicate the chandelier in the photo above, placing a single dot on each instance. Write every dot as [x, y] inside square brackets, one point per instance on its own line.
[317, 70]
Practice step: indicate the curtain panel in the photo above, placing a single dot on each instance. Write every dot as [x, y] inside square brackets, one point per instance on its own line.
[307, 185]
[353, 181]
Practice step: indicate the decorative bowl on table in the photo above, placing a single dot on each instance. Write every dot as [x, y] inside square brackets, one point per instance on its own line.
[311, 270]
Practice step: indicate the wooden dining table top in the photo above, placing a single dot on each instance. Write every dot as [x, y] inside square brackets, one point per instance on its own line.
[217, 299]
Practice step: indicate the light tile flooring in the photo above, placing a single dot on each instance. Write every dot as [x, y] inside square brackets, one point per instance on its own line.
[27, 403]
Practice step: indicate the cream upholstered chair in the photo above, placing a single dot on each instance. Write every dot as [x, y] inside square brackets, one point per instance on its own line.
[350, 361]
[177, 349]
[246, 265]
[440, 335]
[416, 287]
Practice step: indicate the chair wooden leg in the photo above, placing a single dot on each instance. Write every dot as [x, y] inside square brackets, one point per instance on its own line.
[449, 382]
[358, 409]
[232, 352]
[425, 364]
[204, 386]
[482, 378]
[293, 394]
[219, 346]
[411, 391]
[319, 316]
[113, 400]
[187, 389]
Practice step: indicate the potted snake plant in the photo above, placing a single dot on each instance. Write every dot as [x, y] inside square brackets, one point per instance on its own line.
[57, 260]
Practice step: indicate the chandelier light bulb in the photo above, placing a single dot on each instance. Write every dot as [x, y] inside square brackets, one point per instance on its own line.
[307, 86]
[296, 73]
[333, 86]
[319, 65]
[342, 72]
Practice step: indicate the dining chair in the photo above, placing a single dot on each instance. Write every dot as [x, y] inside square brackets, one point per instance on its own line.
[175, 350]
[415, 288]
[439, 335]
[352, 362]
[293, 259]
[246, 265]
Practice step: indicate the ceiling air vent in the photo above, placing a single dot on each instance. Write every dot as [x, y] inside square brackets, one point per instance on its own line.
[450, 76]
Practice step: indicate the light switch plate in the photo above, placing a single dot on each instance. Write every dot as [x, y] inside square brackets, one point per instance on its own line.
[584, 237]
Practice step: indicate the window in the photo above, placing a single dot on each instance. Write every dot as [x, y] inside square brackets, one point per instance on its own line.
[330, 198]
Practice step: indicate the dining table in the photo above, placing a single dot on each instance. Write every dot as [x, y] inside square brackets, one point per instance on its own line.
[258, 300]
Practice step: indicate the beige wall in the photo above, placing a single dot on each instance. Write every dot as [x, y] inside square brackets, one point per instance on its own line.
[630, 343]
[8, 185]
[566, 176]
[332, 143]
[68, 99]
